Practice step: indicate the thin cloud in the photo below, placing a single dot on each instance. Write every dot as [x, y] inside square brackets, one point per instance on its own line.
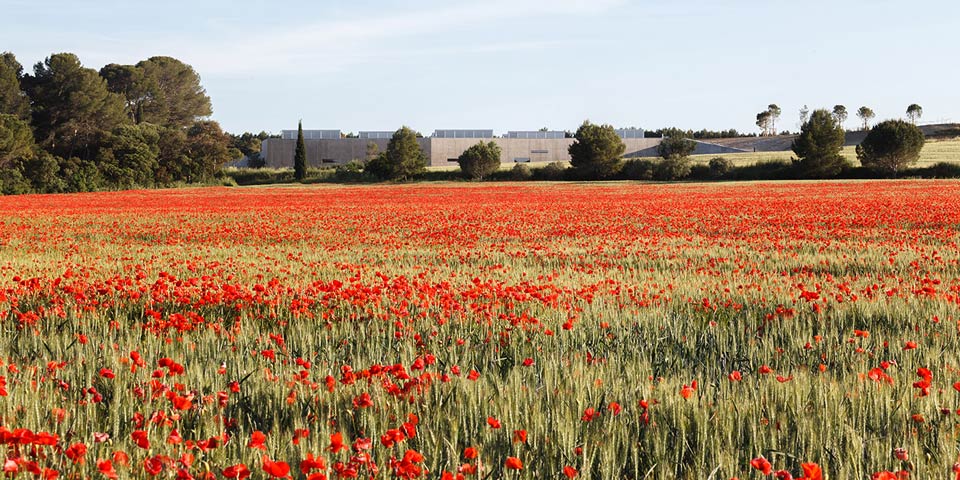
[334, 45]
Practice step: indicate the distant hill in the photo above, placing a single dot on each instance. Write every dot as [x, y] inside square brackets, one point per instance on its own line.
[781, 143]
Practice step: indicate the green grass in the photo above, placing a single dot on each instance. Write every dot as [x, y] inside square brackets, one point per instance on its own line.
[934, 151]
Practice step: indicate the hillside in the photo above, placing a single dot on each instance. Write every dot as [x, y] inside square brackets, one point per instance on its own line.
[780, 143]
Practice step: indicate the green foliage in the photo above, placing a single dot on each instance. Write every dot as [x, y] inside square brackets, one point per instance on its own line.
[43, 173]
[79, 175]
[596, 152]
[160, 90]
[129, 155]
[171, 93]
[72, 108]
[207, 150]
[819, 145]
[840, 114]
[12, 181]
[249, 145]
[943, 170]
[128, 81]
[402, 160]
[767, 120]
[914, 112]
[13, 100]
[638, 169]
[480, 160]
[675, 144]
[520, 172]
[551, 172]
[173, 145]
[300, 156]
[774, 111]
[866, 114]
[891, 146]
[672, 168]
[720, 167]
[16, 140]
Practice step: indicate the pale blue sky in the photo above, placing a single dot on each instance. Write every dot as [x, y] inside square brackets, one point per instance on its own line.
[520, 64]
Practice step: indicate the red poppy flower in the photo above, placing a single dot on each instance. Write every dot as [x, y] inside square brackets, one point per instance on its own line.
[76, 452]
[140, 439]
[493, 422]
[257, 440]
[311, 463]
[275, 469]
[106, 468]
[811, 471]
[238, 471]
[569, 471]
[761, 464]
[469, 453]
[336, 443]
[513, 463]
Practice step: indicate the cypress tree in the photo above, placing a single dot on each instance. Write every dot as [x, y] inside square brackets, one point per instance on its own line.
[300, 157]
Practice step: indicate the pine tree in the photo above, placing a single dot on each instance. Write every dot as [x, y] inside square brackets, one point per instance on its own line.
[300, 157]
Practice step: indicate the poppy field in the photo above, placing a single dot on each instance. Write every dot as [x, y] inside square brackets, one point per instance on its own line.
[796, 330]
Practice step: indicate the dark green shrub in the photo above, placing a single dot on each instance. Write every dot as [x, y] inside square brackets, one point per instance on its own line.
[520, 172]
[818, 147]
[700, 172]
[673, 168]
[720, 167]
[638, 169]
[765, 170]
[551, 172]
[890, 147]
[480, 160]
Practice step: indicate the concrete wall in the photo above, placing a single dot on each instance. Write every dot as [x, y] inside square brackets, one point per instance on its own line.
[278, 153]
[446, 150]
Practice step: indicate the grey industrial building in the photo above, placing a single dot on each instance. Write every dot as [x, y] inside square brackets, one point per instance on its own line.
[330, 147]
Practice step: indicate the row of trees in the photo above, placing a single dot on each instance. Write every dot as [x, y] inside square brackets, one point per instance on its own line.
[889, 147]
[767, 119]
[65, 127]
[597, 153]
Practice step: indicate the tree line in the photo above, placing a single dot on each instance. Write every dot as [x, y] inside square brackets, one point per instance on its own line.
[597, 153]
[68, 128]
[767, 119]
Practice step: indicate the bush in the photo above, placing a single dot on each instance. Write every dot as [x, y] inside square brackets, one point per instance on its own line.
[700, 172]
[890, 147]
[83, 176]
[12, 181]
[520, 172]
[765, 170]
[818, 146]
[675, 143]
[638, 169]
[551, 172]
[259, 176]
[256, 160]
[480, 160]
[43, 172]
[673, 168]
[402, 160]
[350, 172]
[720, 167]
[943, 170]
[596, 152]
